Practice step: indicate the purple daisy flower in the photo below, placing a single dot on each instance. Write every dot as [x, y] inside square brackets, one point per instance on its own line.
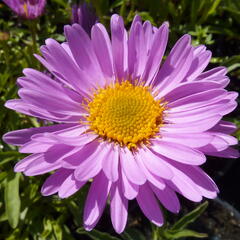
[29, 9]
[84, 14]
[138, 130]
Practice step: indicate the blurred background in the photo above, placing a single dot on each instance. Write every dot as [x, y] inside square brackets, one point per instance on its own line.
[24, 213]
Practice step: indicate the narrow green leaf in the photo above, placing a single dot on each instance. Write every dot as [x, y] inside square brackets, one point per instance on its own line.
[97, 235]
[213, 7]
[190, 217]
[47, 223]
[3, 175]
[10, 154]
[6, 160]
[57, 231]
[184, 233]
[12, 199]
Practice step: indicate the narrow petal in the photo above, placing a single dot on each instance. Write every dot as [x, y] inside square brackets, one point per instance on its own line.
[96, 201]
[193, 140]
[227, 153]
[22, 164]
[194, 126]
[40, 166]
[53, 182]
[119, 46]
[154, 164]
[82, 50]
[201, 180]
[154, 179]
[178, 152]
[70, 186]
[20, 137]
[149, 205]
[102, 47]
[110, 163]
[168, 198]
[130, 190]
[198, 99]
[217, 72]
[67, 70]
[119, 208]
[199, 63]
[224, 127]
[188, 88]
[73, 160]
[156, 53]
[175, 67]
[92, 165]
[130, 168]
[26, 108]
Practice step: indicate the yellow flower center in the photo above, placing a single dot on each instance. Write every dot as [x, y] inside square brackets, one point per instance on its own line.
[125, 113]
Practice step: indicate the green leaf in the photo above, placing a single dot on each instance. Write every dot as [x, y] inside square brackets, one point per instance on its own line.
[190, 217]
[133, 234]
[47, 223]
[12, 199]
[61, 2]
[3, 175]
[57, 231]
[184, 233]
[97, 235]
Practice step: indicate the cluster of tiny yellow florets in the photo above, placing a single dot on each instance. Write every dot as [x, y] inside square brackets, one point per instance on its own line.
[125, 113]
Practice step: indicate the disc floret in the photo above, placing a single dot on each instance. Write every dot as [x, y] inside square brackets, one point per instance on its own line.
[125, 113]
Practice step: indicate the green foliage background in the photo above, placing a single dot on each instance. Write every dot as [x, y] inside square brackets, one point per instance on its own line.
[24, 213]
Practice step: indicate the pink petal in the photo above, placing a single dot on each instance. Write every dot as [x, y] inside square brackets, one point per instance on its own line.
[227, 153]
[154, 164]
[92, 165]
[69, 186]
[119, 46]
[225, 127]
[194, 126]
[155, 180]
[110, 163]
[199, 63]
[22, 164]
[193, 140]
[20, 137]
[175, 68]
[119, 208]
[168, 198]
[131, 168]
[96, 201]
[40, 166]
[178, 152]
[130, 190]
[156, 53]
[149, 206]
[53, 182]
[102, 47]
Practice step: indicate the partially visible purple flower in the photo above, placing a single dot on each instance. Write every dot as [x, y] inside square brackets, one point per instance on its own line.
[84, 14]
[29, 9]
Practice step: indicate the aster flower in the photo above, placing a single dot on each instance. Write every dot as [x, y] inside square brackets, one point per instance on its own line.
[84, 15]
[137, 129]
[29, 9]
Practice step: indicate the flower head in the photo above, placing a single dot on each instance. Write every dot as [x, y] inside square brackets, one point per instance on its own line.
[84, 15]
[138, 128]
[29, 9]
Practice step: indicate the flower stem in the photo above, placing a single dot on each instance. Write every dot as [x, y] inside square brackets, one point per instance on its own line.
[32, 25]
[157, 233]
[34, 38]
